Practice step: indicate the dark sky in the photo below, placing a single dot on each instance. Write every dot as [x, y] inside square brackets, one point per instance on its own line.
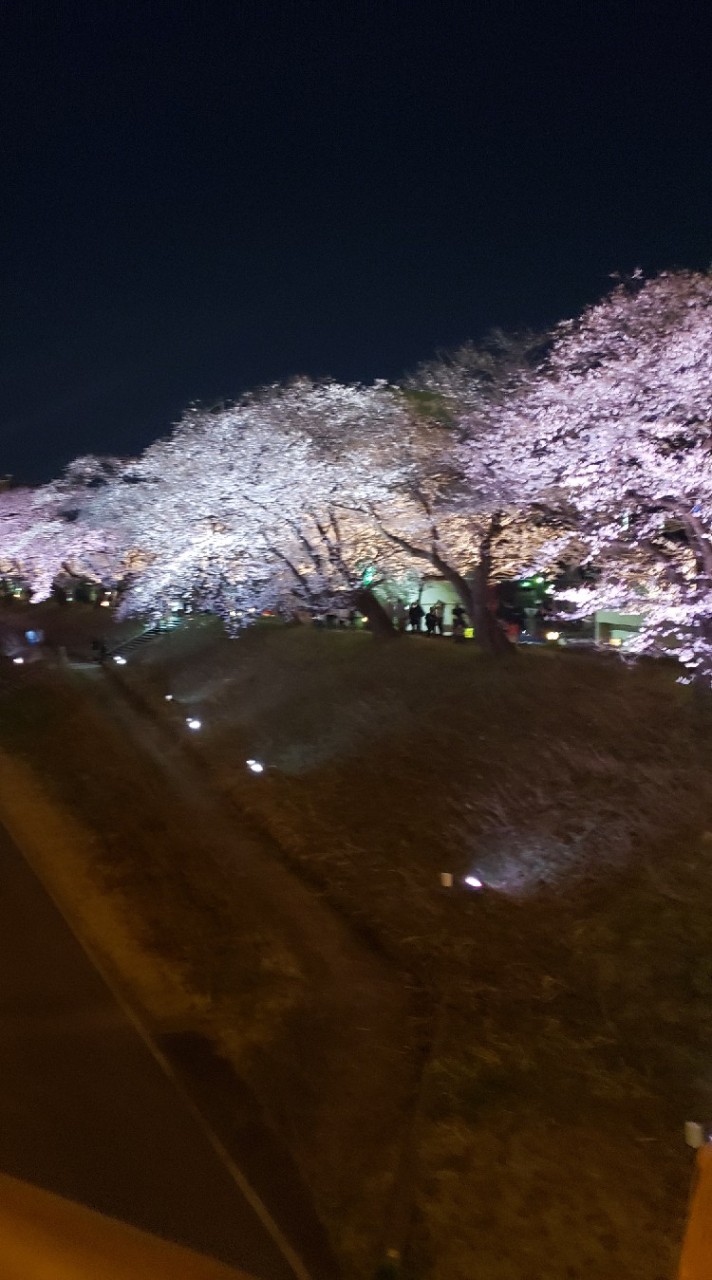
[201, 197]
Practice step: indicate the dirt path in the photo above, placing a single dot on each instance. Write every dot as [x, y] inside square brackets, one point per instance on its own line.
[338, 1071]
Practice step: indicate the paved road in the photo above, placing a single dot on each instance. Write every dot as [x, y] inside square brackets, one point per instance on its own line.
[85, 1109]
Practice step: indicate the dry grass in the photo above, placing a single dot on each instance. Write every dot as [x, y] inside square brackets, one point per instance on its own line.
[577, 986]
[132, 873]
[67, 856]
[211, 935]
[577, 1034]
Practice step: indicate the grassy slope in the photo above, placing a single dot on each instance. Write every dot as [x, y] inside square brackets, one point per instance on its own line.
[210, 935]
[578, 1034]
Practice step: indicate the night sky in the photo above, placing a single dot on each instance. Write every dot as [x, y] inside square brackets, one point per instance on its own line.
[199, 198]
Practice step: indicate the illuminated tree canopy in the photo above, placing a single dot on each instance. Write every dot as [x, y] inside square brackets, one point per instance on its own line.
[588, 445]
[617, 425]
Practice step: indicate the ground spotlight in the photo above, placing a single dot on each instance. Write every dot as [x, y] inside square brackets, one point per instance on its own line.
[121, 662]
[18, 661]
[255, 766]
[473, 882]
[169, 697]
[193, 724]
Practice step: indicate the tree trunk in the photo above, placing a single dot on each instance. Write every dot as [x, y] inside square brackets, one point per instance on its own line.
[701, 696]
[490, 635]
[379, 622]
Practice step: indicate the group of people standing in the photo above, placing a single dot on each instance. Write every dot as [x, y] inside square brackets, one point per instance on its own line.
[412, 617]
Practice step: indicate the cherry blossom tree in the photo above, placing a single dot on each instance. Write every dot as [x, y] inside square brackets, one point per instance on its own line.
[398, 491]
[485, 465]
[44, 533]
[256, 506]
[619, 424]
[296, 496]
[458, 511]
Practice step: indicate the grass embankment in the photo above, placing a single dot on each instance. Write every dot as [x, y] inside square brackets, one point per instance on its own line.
[578, 987]
[213, 936]
[71, 627]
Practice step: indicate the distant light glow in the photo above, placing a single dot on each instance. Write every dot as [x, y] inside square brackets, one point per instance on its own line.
[473, 882]
[104, 604]
[168, 697]
[18, 661]
[616, 642]
[255, 766]
[446, 879]
[121, 662]
[192, 723]
[553, 635]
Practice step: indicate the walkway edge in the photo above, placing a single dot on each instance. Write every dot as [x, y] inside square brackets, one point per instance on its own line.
[11, 819]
